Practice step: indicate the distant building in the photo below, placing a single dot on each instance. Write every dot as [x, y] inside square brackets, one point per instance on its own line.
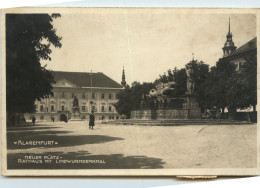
[237, 55]
[94, 91]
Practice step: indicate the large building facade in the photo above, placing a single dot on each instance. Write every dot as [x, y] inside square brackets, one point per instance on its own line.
[94, 91]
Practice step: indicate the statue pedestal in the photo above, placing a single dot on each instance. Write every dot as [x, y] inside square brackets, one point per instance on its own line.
[75, 116]
[194, 111]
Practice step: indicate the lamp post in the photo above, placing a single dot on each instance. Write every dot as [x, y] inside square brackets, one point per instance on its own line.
[91, 102]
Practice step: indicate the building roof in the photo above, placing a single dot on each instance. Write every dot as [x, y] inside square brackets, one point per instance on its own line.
[83, 79]
[250, 45]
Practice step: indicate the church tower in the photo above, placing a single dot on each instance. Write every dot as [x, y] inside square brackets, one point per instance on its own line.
[123, 82]
[229, 45]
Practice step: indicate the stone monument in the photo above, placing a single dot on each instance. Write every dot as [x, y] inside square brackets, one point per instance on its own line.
[190, 82]
[75, 116]
[191, 103]
[160, 103]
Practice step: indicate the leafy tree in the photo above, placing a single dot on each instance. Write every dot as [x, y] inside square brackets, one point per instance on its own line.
[226, 87]
[215, 87]
[180, 78]
[250, 73]
[224, 70]
[199, 75]
[123, 105]
[236, 88]
[165, 77]
[130, 98]
[28, 40]
[242, 86]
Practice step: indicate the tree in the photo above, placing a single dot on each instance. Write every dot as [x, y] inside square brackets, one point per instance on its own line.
[226, 87]
[199, 75]
[130, 98]
[180, 78]
[28, 40]
[123, 105]
[215, 87]
[250, 73]
[165, 77]
[242, 86]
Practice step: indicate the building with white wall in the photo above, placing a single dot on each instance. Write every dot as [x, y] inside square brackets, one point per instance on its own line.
[94, 91]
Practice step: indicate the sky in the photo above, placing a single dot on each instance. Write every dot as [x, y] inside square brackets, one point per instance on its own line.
[146, 42]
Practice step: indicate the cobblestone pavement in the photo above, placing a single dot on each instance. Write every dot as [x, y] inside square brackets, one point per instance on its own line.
[131, 146]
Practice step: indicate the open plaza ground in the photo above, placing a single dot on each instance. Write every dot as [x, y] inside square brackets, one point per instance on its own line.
[131, 146]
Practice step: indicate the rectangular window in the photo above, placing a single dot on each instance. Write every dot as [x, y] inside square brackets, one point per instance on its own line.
[110, 96]
[83, 95]
[102, 96]
[93, 95]
[83, 108]
[110, 108]
[41, 108]
[73, 95]
[62, 108]
[103, 109]
[62, 95]
[93, 108]
[52, 108]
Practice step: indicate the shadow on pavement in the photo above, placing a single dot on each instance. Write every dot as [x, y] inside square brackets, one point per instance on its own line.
[27, 128]
[113, 161]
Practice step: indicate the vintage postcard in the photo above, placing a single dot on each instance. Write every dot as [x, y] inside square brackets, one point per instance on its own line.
[129, 91]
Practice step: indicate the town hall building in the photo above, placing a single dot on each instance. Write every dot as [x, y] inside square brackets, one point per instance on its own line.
[94, 92]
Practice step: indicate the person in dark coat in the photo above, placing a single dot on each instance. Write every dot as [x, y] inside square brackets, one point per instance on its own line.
[91, 120]
[33, 120]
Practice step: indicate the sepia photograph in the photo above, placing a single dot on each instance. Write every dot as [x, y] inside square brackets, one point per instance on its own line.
[129, 91]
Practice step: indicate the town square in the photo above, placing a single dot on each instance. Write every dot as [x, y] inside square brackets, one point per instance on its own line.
[134, 146]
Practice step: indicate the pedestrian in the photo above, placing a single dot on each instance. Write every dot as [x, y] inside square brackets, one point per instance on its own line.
[33, 120]
[91, 120]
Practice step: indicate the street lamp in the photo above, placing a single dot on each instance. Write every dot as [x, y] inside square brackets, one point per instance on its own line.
[91, 102]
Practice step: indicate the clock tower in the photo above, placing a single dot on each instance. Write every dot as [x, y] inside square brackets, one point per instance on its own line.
[229, 45]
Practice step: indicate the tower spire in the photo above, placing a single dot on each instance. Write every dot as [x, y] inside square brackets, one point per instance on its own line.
[229, 45]
[229, 26]
[123, 82]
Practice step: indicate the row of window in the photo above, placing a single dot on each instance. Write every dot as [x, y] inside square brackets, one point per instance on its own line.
[83, 108]
[42, 117]
[84, 95]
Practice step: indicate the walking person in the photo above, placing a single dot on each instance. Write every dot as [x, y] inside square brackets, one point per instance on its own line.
[33, 120]
[91, 120]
